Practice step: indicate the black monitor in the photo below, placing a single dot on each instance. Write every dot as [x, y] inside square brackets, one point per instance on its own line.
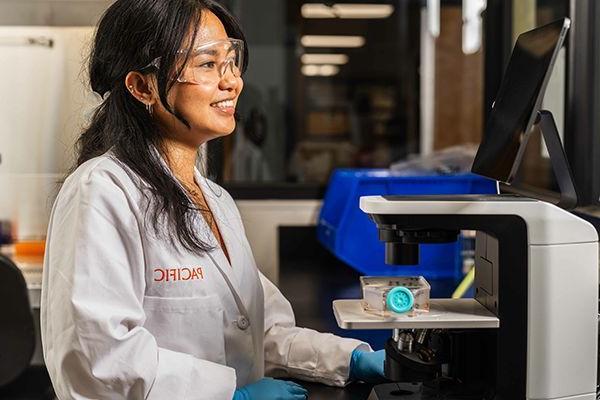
[517, 105]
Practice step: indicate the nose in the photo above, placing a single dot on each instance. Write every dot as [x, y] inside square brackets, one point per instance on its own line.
[228, 79]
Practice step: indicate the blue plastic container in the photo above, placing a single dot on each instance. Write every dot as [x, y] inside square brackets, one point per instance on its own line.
[349, 233]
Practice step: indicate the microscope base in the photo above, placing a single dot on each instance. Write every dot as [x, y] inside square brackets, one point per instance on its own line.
[392, 391]
[404, 391]
[417, 391]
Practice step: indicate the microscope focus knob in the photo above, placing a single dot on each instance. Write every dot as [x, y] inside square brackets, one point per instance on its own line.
[400, 299]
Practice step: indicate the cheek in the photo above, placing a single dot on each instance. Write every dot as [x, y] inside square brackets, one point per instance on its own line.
[192, 98]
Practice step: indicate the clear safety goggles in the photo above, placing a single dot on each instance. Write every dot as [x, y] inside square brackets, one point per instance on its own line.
[209, 62]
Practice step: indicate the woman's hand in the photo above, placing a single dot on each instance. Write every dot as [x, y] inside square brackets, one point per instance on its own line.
[271, 389]
[367, 366]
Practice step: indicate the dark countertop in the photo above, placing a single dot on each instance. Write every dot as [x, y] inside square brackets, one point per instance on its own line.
[389, 391]
[354, 391]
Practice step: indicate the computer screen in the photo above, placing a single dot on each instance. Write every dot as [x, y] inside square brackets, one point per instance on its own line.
[517, 103]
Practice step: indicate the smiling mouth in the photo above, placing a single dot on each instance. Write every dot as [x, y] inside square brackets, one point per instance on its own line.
[224, 104]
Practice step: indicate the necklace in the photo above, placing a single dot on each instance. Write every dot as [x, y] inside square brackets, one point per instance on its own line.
[193, 192]
[189, 188]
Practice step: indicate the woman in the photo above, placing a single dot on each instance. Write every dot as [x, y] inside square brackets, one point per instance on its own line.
[150, 288]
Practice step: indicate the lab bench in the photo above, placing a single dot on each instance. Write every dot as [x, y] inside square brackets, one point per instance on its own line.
[354, 391]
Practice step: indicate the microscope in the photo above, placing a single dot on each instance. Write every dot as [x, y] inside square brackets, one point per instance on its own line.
[531, 330]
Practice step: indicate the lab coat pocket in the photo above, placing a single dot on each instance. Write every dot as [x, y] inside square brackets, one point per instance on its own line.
[191, 325]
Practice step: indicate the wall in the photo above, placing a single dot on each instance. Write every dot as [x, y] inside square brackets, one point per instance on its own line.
[51, 12]
[43, 105]
[458, 86]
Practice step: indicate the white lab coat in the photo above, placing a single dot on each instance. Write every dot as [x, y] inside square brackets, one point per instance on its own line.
[126, 314]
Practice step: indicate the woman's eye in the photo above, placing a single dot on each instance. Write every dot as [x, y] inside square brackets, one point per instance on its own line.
[208, 64]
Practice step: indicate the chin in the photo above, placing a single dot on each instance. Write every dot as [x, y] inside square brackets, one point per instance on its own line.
[221, 133]
[226, 131]
[214, 132]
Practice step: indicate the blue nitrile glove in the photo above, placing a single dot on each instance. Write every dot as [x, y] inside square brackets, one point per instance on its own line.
[367, 366]
[271, 389]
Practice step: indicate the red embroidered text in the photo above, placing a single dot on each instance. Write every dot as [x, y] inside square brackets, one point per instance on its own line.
[177, 274]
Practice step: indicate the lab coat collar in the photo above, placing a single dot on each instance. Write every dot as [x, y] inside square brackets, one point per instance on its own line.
[232, 239]
[211, 193]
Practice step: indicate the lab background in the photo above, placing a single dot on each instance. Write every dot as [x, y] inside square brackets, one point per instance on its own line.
[403, 84]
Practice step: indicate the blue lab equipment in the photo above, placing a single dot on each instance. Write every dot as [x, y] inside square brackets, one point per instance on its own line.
[349, 234]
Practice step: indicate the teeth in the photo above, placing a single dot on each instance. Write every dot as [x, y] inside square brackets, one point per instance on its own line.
[223, 104]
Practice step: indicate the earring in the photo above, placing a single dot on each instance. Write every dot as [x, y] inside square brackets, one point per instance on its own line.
[149, 108]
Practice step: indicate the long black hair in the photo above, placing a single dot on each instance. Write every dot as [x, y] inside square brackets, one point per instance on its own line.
[130, 35]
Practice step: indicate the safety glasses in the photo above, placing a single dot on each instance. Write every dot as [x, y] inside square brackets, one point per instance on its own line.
[209, 62]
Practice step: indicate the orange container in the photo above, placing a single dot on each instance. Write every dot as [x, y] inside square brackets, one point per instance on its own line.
[30, 248]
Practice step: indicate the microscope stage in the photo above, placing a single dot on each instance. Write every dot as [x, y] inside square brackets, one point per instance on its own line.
[443, 314]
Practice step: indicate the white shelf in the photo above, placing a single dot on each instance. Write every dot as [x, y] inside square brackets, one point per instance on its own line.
[443, 314]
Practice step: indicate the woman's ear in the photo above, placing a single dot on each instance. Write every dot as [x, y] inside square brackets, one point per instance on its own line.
[141, 87]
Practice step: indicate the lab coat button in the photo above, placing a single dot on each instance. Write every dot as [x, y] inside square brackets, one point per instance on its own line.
[243, 323]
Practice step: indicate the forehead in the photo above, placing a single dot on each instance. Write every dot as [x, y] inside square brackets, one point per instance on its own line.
[211, 28]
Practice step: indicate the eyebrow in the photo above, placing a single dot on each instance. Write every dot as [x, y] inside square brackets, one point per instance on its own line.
[207, 51]
[213, 52]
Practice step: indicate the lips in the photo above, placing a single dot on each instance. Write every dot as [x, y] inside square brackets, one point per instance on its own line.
[225, 107]
[224, 104]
